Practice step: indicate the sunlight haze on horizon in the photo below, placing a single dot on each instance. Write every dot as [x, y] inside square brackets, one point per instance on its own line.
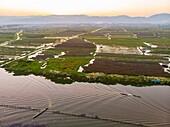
[87, 7]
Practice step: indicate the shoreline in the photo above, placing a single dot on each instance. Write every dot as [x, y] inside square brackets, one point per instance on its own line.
[107, 79]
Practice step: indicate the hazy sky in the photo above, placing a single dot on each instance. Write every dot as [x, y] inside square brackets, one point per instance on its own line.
[88, 7]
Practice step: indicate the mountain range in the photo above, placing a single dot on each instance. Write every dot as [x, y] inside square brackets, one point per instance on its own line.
[163, 18]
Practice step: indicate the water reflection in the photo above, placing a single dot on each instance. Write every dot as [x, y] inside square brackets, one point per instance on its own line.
[150, 108]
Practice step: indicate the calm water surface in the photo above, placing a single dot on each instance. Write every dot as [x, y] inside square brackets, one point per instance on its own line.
[152, 109]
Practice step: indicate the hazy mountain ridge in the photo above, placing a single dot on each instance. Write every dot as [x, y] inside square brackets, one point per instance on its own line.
[52, 19]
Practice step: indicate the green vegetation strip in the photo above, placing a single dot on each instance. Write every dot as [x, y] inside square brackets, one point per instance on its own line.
[131, 57]
[64, 71]
[126, 42]
[13, 51]
[32, 42]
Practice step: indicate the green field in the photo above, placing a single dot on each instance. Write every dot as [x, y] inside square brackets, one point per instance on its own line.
[58, 69]
[126, 42]
[7, 35]
[32, 42]
[14, 51]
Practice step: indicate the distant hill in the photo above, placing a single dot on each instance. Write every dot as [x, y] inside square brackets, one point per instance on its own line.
[52, 19]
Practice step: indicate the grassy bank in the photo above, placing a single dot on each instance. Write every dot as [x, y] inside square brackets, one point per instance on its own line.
[67, 76]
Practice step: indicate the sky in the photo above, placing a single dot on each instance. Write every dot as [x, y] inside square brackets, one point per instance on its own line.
[86, 7]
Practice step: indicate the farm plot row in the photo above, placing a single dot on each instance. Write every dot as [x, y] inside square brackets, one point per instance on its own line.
[68, 33]
[6, 36]
[165, 34]
[96, 34]
[14, 51]
[126, 67]
[127, 42]
[57, 32]
[101, 34]
[131, 57]
[36, 35]
[112, 30]
[32, 42]
[146, 35]
[77, 47]
[158, 51]
[70, 48]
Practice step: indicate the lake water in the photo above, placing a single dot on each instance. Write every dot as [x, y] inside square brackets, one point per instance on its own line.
[152, 109]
